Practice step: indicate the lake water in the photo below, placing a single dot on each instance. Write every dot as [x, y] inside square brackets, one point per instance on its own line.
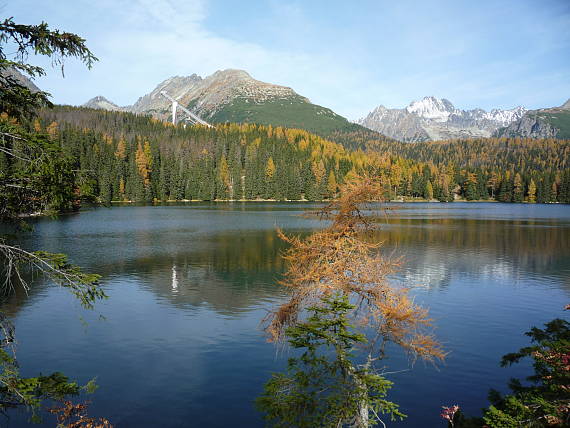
[178, 342]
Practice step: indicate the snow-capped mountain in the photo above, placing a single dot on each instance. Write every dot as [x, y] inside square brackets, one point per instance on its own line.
[432, 108]
[434, 118]
[550, 122]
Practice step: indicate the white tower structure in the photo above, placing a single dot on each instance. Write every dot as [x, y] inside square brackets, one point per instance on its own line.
[174, 105]
[191, 116]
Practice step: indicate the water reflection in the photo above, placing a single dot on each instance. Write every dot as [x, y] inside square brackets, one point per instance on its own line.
[436, 250]
[189, 285]
[228, 257]
[174, 280]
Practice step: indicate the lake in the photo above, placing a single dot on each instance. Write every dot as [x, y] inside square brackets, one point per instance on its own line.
[179, 343]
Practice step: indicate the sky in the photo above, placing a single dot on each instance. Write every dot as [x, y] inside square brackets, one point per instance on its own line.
[350, 56]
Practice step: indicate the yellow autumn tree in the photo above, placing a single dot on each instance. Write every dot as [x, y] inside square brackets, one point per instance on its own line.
[343, 257]
[121, 152]
[144, 162]
[518, 189]
[52, 130]
[532, 192]
[224, 175]
[332, 185]
[270, 169]
[319, 170]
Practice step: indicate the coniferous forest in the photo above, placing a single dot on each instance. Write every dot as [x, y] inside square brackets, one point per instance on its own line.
[125, 157]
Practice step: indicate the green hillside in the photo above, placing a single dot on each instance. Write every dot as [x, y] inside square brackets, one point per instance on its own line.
[560, 120]
[295, 112]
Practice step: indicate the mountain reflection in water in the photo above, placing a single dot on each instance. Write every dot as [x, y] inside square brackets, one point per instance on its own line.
[190, 283]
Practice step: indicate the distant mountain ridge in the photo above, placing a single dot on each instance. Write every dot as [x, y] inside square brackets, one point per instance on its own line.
[102, 103]
[434, 118]
[551, 122]
[21, 79]
[234, 96]
[208, 96]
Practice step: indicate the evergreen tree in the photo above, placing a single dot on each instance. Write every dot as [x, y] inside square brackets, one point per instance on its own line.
[564, 196]
[324, 386]
[545, 401]
[506, 189]
[428, 193]
[36, 175]
[332, 185]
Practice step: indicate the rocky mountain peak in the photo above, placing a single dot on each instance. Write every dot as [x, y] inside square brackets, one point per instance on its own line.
[432, 108]
[433, 118]
[97, 99]
[206, 96]
[20, 78]
[231, 73]
[566, 105]
[100, 102]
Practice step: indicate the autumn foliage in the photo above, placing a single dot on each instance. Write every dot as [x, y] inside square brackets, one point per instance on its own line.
[74, 415]
[343, 258]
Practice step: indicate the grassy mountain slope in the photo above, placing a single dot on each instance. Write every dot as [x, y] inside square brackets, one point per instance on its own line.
[560, 120]
[296, 112]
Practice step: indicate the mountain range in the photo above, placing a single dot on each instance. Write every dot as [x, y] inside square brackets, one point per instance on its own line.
[234, 96]
[432, 119]
[542, 123]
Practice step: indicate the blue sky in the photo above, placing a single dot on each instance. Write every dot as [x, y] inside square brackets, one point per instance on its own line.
[350, 56]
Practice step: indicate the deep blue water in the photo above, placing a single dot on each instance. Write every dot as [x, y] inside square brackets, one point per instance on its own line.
[178, 342]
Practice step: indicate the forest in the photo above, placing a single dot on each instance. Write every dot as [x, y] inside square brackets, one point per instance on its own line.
[125, 157]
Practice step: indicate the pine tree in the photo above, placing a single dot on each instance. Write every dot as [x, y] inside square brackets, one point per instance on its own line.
[564, 196]
[332, 185]
[270, 169]
[428, 194]
[324, 386]
[471, 190]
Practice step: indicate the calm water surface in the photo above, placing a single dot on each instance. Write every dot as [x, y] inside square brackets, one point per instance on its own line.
[178, 341]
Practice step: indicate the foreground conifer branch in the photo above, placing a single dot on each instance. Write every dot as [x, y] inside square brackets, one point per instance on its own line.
[544, 400]
[35, 177]
[324, 386]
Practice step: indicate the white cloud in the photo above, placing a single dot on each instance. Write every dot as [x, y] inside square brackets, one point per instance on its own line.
[399, 54]
[144, 42]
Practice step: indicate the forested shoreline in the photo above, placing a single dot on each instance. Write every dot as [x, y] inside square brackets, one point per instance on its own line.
[125, 157]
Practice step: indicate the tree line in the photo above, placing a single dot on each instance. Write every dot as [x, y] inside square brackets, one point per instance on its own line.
[503, 169]
[127, 157]
[137, 158]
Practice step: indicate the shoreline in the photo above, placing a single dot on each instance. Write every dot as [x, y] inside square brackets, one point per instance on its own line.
[395, 201]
